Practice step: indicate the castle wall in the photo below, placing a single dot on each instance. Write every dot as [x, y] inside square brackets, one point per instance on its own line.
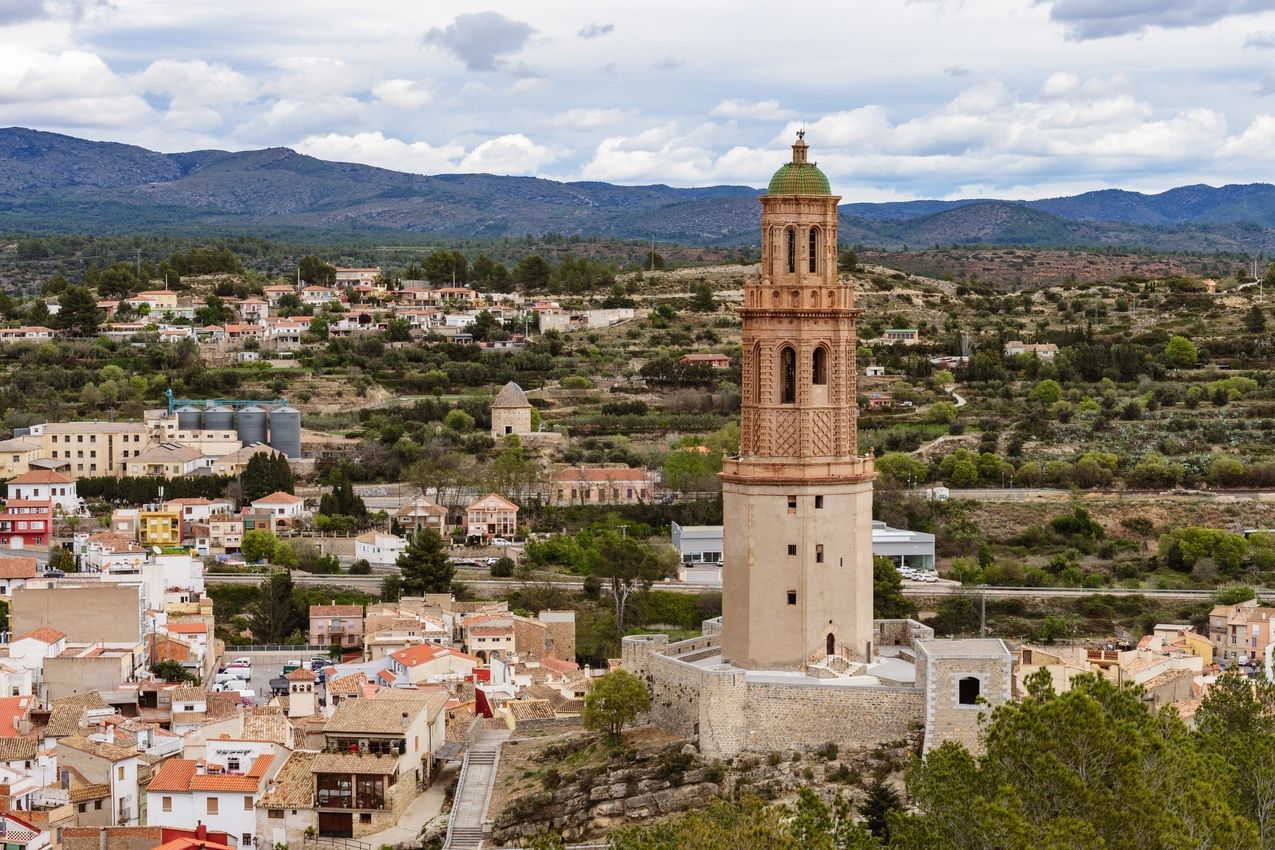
[727, 714]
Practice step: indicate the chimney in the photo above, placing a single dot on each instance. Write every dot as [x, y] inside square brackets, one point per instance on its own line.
[101, 838]
[201, 830]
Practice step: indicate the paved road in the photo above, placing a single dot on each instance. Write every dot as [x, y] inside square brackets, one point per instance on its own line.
[372, 584]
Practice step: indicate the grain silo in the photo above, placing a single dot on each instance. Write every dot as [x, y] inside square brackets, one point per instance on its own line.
[250, 423]
[189, 418]
[285, 430]
[219, 418]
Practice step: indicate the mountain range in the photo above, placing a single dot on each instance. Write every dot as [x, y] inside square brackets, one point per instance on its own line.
[51, 183]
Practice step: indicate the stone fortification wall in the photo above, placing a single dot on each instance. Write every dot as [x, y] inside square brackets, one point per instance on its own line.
[727, 714]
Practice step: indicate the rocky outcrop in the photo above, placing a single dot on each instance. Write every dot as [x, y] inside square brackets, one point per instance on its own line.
[632, 787]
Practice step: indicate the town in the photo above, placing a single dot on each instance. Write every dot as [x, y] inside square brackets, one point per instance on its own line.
[649, 427]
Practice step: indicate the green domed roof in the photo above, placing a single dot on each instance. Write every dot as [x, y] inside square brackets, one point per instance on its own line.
[799, 178]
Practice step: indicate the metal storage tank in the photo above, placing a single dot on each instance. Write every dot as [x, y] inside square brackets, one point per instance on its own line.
[285, 430]
[189, 418]
[250, 423]
[219, 418]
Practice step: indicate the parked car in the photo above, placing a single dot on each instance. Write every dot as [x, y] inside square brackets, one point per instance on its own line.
[499, 541]
[231, 685]
[289, 666]
[228, 676]
[242, 661]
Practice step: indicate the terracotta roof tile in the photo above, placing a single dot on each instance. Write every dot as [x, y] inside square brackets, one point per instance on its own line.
[175, 775]
[293, 786]
[14, 566]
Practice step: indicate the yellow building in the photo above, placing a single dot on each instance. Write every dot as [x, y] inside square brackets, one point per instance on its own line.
[16, 456]
[159, 528]
[91, 448]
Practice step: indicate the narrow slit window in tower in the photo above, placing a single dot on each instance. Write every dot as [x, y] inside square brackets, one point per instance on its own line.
[792, 504]
[819, 366]
[792, 249]
[814, 250]
[818, 553]
[788, 376]
[792, 597]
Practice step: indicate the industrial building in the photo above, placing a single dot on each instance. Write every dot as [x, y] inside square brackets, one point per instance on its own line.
[701, 547]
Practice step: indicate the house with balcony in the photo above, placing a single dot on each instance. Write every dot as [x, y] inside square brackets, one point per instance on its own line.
[490, 517]
[46, 485]
[378, 753]
[159, 527]
[422, 513]
[336, 625]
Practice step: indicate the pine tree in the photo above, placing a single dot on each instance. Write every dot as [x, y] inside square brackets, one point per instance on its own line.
[276, 613]
[880, 801]
[424, 565]
[1255, 320]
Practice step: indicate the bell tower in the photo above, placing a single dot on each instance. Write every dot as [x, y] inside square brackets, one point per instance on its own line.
[797, 500]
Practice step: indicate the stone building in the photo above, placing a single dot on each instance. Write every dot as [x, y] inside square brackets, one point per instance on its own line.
[797, 501]
[796, 659]
[510, 412]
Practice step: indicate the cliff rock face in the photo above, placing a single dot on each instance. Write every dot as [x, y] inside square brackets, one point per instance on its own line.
[640, 784]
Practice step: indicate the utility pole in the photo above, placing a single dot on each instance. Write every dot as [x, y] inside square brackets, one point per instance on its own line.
[982, 610]
[139, 265]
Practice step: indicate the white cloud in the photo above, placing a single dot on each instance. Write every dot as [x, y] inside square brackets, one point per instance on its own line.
[592, 119]
[760, 110]
[403, 94]
[511, 154]
[72, 88]
[375, 149]
[596, 30]
[195, 82]
[310, 76]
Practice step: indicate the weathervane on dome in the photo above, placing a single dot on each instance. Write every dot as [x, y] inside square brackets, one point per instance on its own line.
[801, 134]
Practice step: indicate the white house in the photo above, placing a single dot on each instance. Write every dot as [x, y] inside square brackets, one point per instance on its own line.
[378, 548]
[220, 791]
[46, 485]
[28, 651]
[107, 764]
[284, 507]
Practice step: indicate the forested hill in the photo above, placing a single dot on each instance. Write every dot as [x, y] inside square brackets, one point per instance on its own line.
[50, 183]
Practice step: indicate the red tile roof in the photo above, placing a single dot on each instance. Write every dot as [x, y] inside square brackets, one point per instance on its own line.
[44, 633]
[14, 566]
[423, 653]
[41, 476]
[12, 711]
[278, 498]
[175, 775]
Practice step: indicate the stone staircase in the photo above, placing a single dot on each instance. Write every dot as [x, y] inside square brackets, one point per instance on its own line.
[466, 838]
[467, 826]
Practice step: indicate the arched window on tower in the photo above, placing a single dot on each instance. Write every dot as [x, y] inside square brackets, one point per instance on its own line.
[819, 366]
[787, 376]
[791, 246]
[814, 250]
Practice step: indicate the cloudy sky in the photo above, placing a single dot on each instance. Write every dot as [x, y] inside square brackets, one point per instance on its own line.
[901, 98]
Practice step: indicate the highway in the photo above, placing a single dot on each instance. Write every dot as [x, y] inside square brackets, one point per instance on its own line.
[372, 584]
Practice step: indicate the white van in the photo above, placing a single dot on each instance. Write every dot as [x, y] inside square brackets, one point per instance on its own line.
[230, 685]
